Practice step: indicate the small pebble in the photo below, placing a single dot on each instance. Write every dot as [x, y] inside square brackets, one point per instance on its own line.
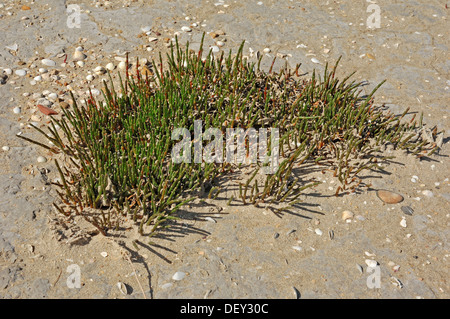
[220, 43]
[414, 178]
[5, 148]
[21, 72]
[38, 78]
[371, 263]
[186, 29]
[314, 60]
[41, 159]
[152, 39]
[266, 50]
[78, 55]
[389, 197]
[104, 254]
[146, 28]
[80, 63]
[17, 110]
[403, 222]
[48, 62]
[43, 70]
[89, 77]
[215, 48]
[122, 65]
[318, 231]
[52, 96]
[7, 71]
[298, 248]
[110, 66]
[179, 275]
[407, 210]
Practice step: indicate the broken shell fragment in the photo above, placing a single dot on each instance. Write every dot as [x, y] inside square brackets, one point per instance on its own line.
[122, 288]
[346, 214]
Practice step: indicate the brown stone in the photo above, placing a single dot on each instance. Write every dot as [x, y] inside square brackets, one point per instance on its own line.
[26, 8]
[389, 197]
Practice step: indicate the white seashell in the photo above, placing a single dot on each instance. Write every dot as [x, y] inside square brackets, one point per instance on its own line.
[403, 222]
[110, 66]
[104, 254]
[210, 219]
[428, 193]
[38, 78]
[122, 65]
[318, 231]
[267, 50]
[95, 92]
[215, 48]
[298, 248]
[80, 63]
[100, 70]
[41, 159]
[21, 72]
[179, 275]
[17, 110]
[314, 60]
[13, 47]
[8, 71]
[43, 70]
[360, 268]
[48, 62]
[78, 56]
[122, 288]
[371, 263]
[146, 28]
[195, 24]
[186, 29]
[152, 39]
[52, 96]
[90, 77]
[220, 43]
[5, 148]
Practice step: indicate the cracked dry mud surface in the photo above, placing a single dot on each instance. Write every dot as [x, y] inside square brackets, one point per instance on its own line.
[247, 252]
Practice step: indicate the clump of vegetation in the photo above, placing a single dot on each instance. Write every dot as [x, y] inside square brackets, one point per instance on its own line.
[117, 152]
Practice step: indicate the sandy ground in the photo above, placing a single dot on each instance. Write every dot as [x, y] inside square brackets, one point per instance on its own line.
[247, 252]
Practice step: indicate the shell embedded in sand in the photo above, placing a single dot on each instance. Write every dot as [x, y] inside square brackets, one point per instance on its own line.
[346, 214]
[99, 70]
